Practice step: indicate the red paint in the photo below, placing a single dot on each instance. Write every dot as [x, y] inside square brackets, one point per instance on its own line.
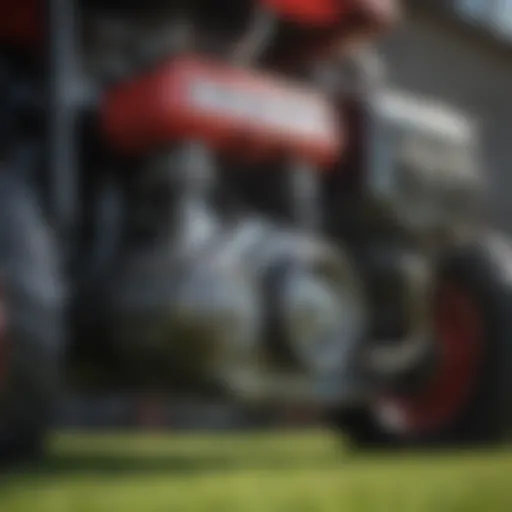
[21, 22]
[309, 12]
[336, 13]
[157, 109]
[329, 27]
[460, 336]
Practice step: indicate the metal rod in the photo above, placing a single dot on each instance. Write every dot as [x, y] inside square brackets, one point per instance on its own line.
[185, 176]
[258, 37]
[304, 196]
[63, 165]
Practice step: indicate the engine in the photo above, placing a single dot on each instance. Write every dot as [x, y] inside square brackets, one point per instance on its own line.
[202, 273]
[238, 300]
[220, 185]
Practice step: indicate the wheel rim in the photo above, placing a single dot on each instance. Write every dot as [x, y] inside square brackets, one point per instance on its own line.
[459, 336]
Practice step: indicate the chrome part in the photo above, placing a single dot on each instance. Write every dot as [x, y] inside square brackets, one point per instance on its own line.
[323, 315]
[220, 306]
[393, 358]
[312, 294]
[423, 162]
[305, 197]
[313, 317]
[258, 37]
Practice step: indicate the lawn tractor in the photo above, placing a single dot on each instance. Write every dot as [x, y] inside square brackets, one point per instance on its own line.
[224, 198]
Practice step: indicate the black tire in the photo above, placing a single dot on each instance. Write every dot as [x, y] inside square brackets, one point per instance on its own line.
[31, 297]
[483, 273]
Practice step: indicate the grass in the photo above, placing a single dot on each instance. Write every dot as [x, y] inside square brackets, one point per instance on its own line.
[289, 472]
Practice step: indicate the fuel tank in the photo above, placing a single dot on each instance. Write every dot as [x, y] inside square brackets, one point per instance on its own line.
[237, 112]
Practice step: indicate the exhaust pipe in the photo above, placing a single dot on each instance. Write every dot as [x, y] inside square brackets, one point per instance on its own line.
[391, 359]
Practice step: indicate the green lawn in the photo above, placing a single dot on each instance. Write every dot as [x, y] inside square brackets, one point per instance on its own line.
[261, 473]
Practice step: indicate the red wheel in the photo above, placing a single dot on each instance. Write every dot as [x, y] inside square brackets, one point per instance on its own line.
[467, 398]
[459, 347]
